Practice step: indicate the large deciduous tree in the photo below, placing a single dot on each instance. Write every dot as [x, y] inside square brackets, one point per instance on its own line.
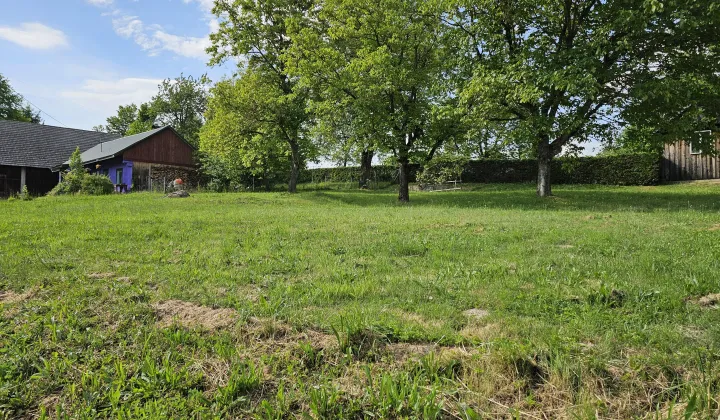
[550, 74]
[255, 32]
[246, 123]
[120, 123]
[180, 103]
[12, 105]
[380, 62]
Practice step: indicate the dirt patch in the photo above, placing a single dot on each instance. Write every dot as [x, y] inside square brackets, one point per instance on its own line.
[709, 300]
[487, 332]
[418, 319]
[171, 312]
[9, 296]
[98, 276]
[714, 227]
[476, 313]
[406, 351]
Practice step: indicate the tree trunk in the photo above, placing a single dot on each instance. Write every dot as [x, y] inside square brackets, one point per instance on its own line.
[295, 167]
[404, 190]
[366, 168]
[266, 178]
[544, 158]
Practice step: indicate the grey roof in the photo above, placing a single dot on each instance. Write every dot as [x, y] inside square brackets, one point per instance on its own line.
[111, 148]
[43, 146]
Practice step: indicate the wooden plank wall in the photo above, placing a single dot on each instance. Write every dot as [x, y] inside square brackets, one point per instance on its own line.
[680, 165]
[164, 148]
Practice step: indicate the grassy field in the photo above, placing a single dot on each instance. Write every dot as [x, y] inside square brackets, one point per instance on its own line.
[343, 304]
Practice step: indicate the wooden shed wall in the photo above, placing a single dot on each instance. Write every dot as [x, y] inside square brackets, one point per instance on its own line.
[680, 165]
[164, 148]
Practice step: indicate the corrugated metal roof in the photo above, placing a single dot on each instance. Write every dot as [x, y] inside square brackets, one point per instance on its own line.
[43, 146]
[111, 148]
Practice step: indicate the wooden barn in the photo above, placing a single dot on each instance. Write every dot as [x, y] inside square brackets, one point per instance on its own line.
[28, 152]
[144, 161]
[683, 161]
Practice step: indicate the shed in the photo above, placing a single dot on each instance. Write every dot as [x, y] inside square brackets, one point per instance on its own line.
[143, 161]
[683, 161]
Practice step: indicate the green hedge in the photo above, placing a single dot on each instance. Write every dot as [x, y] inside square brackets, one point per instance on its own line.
[627, 169]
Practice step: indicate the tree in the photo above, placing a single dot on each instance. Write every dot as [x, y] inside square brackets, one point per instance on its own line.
[257, 33]
[551, 74]
[180, 103]
[144, 122]
[381, 62]
[12, 106]
[120, 123]
[244, 129]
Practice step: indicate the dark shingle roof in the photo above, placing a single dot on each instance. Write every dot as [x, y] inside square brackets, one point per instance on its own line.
[43, 146]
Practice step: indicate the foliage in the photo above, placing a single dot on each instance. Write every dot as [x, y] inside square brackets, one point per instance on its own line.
[12, 105]
[76, 180]
[442, 169]
[180, 103]
[242, 134]
[551, 74]
[120, 123]
[24, 194]
[264, 96]
[96, 184]
[380, 63]
[609, 169]
[566, 303]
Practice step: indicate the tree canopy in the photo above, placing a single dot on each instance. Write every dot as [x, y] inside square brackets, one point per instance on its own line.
[13, 106]
[555, 73]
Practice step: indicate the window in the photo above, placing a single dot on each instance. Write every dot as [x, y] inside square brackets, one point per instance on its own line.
[704, 137]
[118, 176]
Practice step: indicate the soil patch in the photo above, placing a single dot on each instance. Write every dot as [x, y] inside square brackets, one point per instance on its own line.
[709, 300]
[714, 228]
[98, 276]
[476, 313]
[9, 296]
[190, 315]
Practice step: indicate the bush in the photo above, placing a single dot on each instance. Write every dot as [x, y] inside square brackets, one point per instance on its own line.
[96, 185]
[442, 169]
[77, 181]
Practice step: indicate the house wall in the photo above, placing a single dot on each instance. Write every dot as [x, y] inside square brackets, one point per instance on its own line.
[110, 168]
[680, 165]
[164, 148]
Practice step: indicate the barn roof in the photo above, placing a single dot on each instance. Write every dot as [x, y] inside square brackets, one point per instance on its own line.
[43, 146]
[110, 149]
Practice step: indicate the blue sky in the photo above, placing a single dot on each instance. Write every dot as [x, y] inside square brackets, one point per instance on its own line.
[77, 60]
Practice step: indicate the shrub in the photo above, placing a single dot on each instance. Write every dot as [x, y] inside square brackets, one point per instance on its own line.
[25, 194]
[96, 184]
[442, 169]
[621, 169]
[77, 181]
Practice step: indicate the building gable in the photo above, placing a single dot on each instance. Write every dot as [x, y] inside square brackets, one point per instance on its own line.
[164, 147]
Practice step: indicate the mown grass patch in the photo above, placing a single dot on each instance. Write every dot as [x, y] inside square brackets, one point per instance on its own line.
[470, 304]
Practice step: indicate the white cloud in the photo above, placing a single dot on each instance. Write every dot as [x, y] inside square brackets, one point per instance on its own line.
[102, 97]
[153, 39]
[34, 35]
[100, 2]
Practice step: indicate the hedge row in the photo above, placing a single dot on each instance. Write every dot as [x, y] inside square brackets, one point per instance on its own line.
[629, 169]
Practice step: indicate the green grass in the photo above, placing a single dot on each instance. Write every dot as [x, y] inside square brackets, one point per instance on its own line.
[351, 305]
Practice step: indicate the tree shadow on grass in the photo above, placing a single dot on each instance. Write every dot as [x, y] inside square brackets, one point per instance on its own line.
[522, 196]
